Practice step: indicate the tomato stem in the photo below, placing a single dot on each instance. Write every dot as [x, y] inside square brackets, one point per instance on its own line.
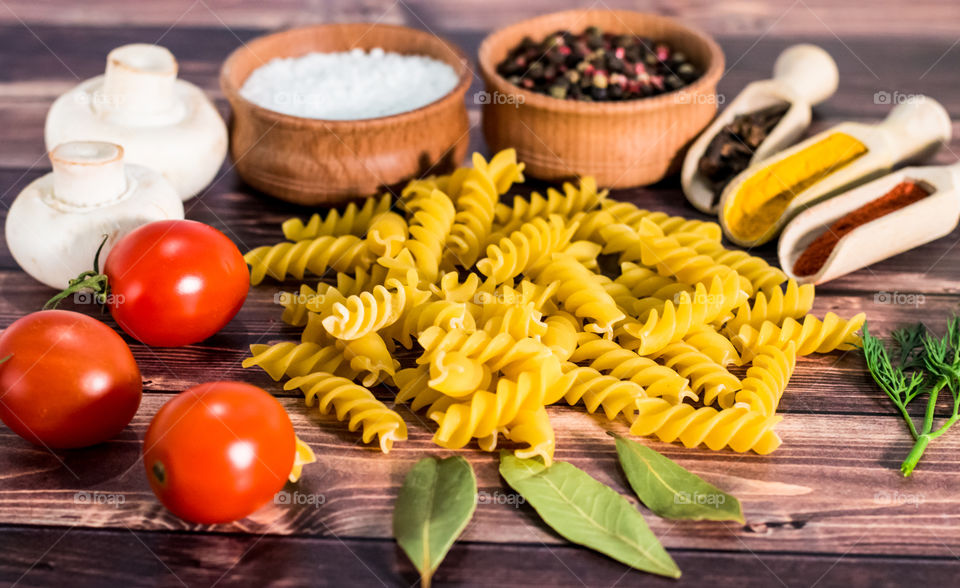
[88, 280]
[159, 472]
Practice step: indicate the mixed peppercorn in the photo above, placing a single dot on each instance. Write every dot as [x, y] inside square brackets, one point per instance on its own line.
[597, 66]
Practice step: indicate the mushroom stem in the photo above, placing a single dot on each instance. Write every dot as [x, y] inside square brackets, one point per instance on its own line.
[140, 79]
[87, 173]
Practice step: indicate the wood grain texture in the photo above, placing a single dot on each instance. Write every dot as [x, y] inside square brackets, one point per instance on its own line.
[833, 487]
[828, 508]
[43, 557]
[747, 17]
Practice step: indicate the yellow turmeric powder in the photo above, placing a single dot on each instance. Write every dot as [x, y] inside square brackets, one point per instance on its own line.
[763, 197]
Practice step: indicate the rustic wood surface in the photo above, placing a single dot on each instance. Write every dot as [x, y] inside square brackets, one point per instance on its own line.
[828, 508]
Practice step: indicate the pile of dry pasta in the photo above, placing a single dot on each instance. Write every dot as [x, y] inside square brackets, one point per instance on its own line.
[511, 308]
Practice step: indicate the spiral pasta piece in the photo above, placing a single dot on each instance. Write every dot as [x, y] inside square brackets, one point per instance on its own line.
[412, 387]
[632, 216]
[437, 313]
[767, 378]
[485, 414]
[366, 312]
[675, 321]
[710, 380]
[476, 202]
[343, 254]
[561, 334]
[387, 234]
[573, 202]
[518, 320]
[296, 306]
[756, 270]
[714, 345]
[644, 282]
[738, 428]
[500, 299]
[498, 352]
[810, 336]
[581, 294]
[353, 402]
[370, 355]
[610, 358]
[526, 250]
[773, 305]
[654, 249]
[353, 221]
[533, 428]
[456, 374]
[432, 219]
[292, 359]
[596, 390]
[449, 287]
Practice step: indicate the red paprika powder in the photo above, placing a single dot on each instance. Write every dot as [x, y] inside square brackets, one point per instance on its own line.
[816, 254]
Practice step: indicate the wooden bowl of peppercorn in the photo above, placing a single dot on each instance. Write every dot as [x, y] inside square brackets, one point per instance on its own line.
[618, 95]
[315, 161]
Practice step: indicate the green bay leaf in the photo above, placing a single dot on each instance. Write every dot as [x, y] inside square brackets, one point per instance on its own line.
[671, 491]
[435, 504]
[587, 512]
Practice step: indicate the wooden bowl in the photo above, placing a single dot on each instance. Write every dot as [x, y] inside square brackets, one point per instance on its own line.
[326, 162]
[622, 144]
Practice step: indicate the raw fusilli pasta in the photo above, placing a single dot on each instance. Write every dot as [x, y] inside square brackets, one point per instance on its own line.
[767, 378]
[527, 250]
[354, 402]
[571, 204]
[581, 294]
[773, 305]
[344, 254]
[738, 428]
[506, 310]
[710, 380]
[810, 336]
[476, 203]
[353, 221]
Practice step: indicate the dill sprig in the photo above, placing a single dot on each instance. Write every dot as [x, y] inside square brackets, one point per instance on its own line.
[926, 365]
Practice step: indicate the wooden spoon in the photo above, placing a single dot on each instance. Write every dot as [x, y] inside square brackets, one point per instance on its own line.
[914, 129]
[923, 221]
[803, 75]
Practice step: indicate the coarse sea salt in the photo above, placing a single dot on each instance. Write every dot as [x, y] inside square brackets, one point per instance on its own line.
[351, 85]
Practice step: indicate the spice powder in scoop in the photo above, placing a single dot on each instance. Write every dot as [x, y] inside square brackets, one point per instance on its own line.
[762, 198]
[817, 253]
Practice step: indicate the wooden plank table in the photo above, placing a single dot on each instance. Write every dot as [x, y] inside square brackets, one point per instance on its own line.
[828, 508]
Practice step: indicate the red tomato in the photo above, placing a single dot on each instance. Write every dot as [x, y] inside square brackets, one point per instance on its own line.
[175, 282]
[70, 380]
[217, 452]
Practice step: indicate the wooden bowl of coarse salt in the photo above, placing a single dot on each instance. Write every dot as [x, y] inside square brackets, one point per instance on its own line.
[327, 113]
[622, 143]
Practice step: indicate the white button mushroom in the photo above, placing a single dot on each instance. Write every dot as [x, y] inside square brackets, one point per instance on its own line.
[161, 122]
[56, 224]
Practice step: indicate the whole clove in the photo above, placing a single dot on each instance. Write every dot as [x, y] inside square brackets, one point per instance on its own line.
[732, 148]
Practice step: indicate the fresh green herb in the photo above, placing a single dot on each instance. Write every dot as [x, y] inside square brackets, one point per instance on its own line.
[926, 365]
[671, 491]
[588, 513]
[910, 342]
[435, 504]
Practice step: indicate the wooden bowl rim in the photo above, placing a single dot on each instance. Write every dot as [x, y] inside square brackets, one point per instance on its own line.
[708, 79]
[232, 92]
